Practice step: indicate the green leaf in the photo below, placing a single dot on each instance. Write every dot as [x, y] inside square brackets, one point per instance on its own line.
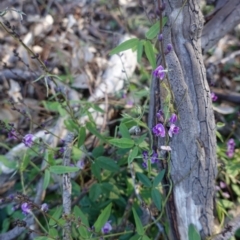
[107, 163]
[95, 192]
[135, 237]
[98, 151]
[218, 134]
[63, 169]
[144, 179]
[138, 223]
[62, 111]
[124, 131]
[81, 136]
[46, 179]
[145, 237]
[25, 162]
[129, 44]
[139, 50]
[71, 125]
[78, 213]
[53, 232]
[43, 238]
[150, 54]
[5, 225]
[8, 163]
[91, 128]
[193, 233]
[51, 106]
[236, 189]
[96, 170]
[220, 124]
[122, 142]
[155, 29]
[103, 217]
[225, 203]
[156, 197]
[158, 178]
[55, 216]
[83, 231]
[140, 139]
[133, 153]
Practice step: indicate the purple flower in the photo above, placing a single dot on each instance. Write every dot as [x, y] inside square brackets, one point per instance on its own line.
[223, 185]
[145, 155]
[28, 140]
[214, 97]
[80, 164]
[160, 116]
[106, 228]
[230, 148]
[159, 72]
[173, 130]
[44, 207]
[160, 37]
[12, 134]
[159, 130]
[169, 48]
[25, 208]
[154, 157]
[173, 118]
[225, 195]
[145, 164]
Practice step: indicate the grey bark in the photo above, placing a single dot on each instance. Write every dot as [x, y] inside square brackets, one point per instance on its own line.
[193, 159]
[67, 187]
[225, 17]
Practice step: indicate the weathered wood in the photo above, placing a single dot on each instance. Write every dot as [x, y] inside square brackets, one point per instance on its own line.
[225, 17]
[193, 157]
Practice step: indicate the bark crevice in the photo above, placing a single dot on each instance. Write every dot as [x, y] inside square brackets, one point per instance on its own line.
[193, 159]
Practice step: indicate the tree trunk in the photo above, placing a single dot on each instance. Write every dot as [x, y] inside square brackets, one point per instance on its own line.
[192, 162]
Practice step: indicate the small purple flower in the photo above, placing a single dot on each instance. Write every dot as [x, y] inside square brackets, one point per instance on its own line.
[162, 7]
[11, 196]
[44, 207]
[173, 130]
[169, 48]
[145, 165]
[225, 195]
[145, 155]
[80, 164]
[160, 116]
[28, 140]
[12, 134]
[130, 103]
[160, 37]
[173, 118]
[25, 208]
[222, 185]
[61, 150]
[214, 97]
[159, 130]
[159, 72]
[106, 228]
[230, 148]
[154, 157]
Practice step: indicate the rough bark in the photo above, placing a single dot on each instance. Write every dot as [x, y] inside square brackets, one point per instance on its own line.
[193, 160]
[225, 17]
